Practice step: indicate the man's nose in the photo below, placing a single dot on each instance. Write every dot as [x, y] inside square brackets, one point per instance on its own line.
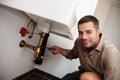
[84, 36]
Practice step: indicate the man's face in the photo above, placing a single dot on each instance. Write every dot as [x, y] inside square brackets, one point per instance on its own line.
[88, 34]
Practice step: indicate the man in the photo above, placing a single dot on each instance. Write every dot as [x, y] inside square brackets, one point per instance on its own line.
[95, 53]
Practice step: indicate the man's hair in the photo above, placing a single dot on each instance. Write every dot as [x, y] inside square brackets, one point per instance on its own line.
[89, 18]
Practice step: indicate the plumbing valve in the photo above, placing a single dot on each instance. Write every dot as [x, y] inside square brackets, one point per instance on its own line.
[23, 31]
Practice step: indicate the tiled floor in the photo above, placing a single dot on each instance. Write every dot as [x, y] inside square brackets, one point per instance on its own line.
[36, 74]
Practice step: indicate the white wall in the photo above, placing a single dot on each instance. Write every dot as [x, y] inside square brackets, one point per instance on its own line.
[108, 13]
[14, 60]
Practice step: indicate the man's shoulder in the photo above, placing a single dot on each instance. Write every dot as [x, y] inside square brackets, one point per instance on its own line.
[108, 43]
[109, 46]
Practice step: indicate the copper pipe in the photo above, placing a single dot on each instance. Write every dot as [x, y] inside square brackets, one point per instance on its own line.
[41, 39]
[24, 44]
[30, 36]
[37, 51]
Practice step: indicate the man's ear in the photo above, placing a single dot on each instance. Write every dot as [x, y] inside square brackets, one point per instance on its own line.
[99, 31]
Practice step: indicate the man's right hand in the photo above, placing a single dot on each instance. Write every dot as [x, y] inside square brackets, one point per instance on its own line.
[57, 50]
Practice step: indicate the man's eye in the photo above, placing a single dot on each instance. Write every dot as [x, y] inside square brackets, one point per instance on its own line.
[88, 32]
[80, 33]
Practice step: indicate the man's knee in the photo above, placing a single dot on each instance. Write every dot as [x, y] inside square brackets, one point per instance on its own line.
[89, 76]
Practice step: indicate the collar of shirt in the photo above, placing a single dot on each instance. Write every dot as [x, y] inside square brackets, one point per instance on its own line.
[100, 45]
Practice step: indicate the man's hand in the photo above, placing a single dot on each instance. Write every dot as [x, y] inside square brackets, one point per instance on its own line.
[57, 50]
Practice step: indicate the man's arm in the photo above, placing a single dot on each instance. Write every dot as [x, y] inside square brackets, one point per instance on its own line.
[111, 61]
[70, 54]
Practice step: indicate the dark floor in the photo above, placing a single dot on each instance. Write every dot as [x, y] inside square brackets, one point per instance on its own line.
[36, 74]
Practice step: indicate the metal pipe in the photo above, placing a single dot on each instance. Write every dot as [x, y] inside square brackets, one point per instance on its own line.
[24, 44]
[38, 48]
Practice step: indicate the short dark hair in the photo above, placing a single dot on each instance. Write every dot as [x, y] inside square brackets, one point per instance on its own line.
[89, 18]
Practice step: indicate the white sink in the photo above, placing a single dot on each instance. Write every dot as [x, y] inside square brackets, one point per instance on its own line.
[55, 16]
